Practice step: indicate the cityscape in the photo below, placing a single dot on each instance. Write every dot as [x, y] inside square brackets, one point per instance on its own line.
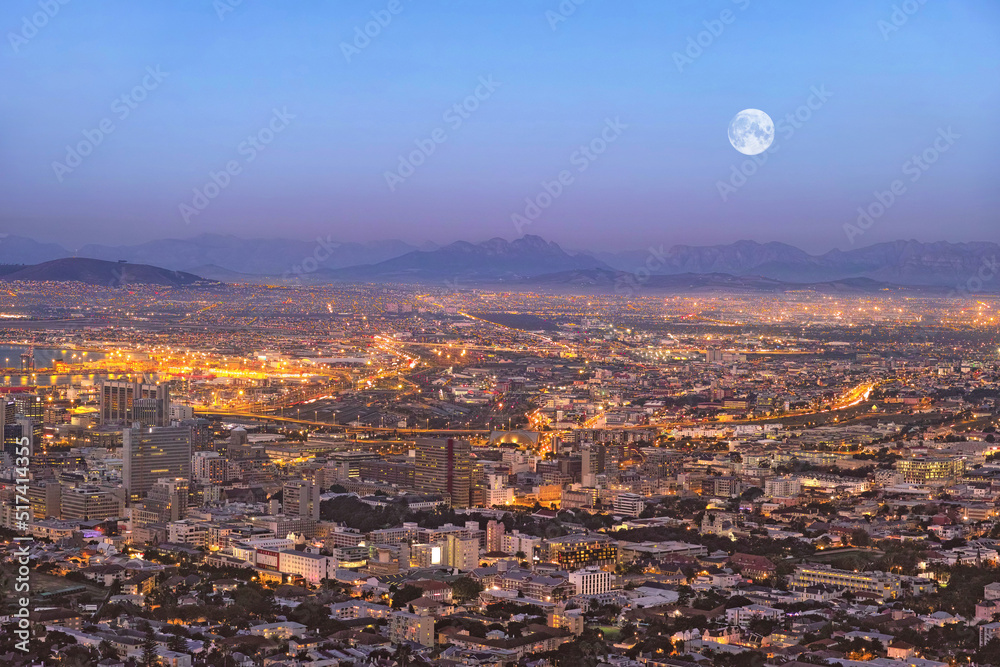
[382, 473]
[559, 333]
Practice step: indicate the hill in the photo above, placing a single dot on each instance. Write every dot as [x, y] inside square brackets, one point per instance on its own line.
[100, 272]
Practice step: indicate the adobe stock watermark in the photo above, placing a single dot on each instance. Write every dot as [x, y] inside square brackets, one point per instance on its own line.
[581, 159]
[122, 107]
[915, 167]
[310, 264]
[223, 7]
[22, 515]
[630, 283]
[899, 17]
[454, 116]
[454, 285]
[697, 44]
[118, 278]
[787, 127]
[562, 13]
[31, 25]
[363, 35]
[975, 284]
[248, 149]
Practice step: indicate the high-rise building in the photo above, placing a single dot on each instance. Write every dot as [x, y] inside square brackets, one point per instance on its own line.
[166, 501]
[575, 551]
[46, 498]
[210, 468]
[125, 403]
[462, 552]
[301, 498]
[91, 502]
[8, 410]
[445, 467]
[31, 429]
[11, 430]
[589, 462]
[181, 412]
[629, 504]
[348, 464]
[238, 437]
[29, 413]
[494, 536]
[150, 454]
[29, 405]
[591, 581]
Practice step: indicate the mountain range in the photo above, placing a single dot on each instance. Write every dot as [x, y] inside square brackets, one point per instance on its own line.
[531, 259]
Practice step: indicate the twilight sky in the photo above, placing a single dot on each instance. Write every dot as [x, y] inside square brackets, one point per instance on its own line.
[309, 118]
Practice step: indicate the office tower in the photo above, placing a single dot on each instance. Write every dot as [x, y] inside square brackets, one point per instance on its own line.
[201, 433]
[32, 430]
[124, 402]
[29, 405]
[29, 412]
[83, 503]
[238, 437]
[348, 464]
[301, 498]
[166, 501]
[8, 411]
[149, 454]
[46, 499]
[11, 430]
[445, 467]
[145, 411]
[181, 412]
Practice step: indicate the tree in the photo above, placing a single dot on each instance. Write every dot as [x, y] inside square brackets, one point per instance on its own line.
[405, 596]
[78, 656]
[860, 538]
[465, 589]
[989, 654]
[762, 626]
[107, 650]
[738, 601]
[149, 655]
[177, 644]
[403, 655]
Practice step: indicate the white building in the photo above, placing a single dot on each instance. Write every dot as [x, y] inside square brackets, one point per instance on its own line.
[463, 552]
[246, 550]
[742, 616]
[311, 567]
[782, 487]
[187, 532]
[591, 581]
[515, 541]
[629, 504]
[499, 496]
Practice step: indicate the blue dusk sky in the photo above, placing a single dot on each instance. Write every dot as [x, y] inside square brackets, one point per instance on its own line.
[599, 124]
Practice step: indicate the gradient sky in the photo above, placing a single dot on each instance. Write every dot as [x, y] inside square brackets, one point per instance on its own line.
[656, 184]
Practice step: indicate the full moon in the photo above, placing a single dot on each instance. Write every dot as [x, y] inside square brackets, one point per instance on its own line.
[751, 131]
